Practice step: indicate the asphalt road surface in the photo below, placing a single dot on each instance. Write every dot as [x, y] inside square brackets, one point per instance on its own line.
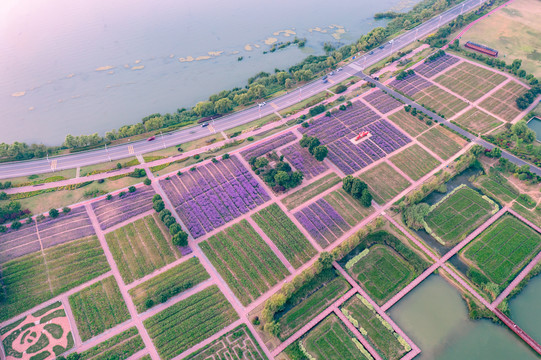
[25, 168]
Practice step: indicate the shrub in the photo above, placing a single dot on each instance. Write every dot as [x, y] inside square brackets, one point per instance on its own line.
[132, 189]
[156, 197]
[193, 168]
[340, 89]
[121, 194]
[179, 173]
[73, 356]
[225, 156]
[66, 209]
[305, 125]
[164, 213]
[109, 197]
[3, 229]
[342, 107]
[159, 205]
[250, 138]
[138, 173]
[40, 217]
[174, 229]
[180, 239]
[16, 225]
[119, 166]
[147, 181]
[196, 156]
[3, 195]
[214, 160]
[149, 303]
[101, 181]
[169, 220]
[53, 213]
[29, 220]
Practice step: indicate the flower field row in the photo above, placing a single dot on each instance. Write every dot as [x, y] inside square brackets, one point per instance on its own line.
[74, 225]
[303, 161]
[214, 194]
[411, 84]
[245, 261]
[323, 222]
[381, 101]
[189, 322]
[168, 284]
[267, 146]
[16, 243]
[285, 235]
[431, 68]
[119, 209]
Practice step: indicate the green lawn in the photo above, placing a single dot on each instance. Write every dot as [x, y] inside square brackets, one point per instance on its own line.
[244, 260]
[409, 123]
[141, 247]
[470, 81]
[36, 278]
[120, 346]
[503, 249]
[382, 272]
[331, 340]
[190, 321]
[168, 284]
[311, 101]
[414, 161]
[384, 182]
[364, 317]
[477, 121]
[442, 142]
[458, 214]
[98, 307]
[306, 193]
[285, 235]
[311, 299]
[349, 208]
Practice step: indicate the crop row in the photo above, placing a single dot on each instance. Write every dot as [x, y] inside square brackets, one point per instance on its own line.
[431, 68]
[267, 146]
[381, 101]
[120, 347]
[303, 161]
[322, 221]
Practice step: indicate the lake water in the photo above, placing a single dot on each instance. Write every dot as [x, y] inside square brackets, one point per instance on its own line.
[84, 66]
[535, 125]
[435, 317]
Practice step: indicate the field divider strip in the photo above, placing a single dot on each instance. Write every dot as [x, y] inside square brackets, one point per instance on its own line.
[357, 334]
[138, 355]
[74, 330]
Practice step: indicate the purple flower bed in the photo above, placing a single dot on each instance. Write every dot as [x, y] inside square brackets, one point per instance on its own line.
[15, 243]
[214, 194]
[434, 67]
[381, 101]
[267, 146]
[411, 85]
[302, 160]
[67, 227]
[322, 221]
[117, 210]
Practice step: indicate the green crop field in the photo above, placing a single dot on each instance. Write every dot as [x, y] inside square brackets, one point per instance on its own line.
[384, 182]
[458, 214]
[495, 185]
[409, 123]
[470, 81]
[331, 340]
[239, 344]
[477, 121]
[442, 142]
[503, 249]
[244, 260]
[502, 103]
[365, 318]
[349, 208]
[414, 161]
[306, 193]
[190, 321]
[285, 235]
[440, 100]
[311, 299]
[37, 277]
[382, 272]
[534, 215]
[118, 347]
[141, 247]
[168, 284]
[98, 307]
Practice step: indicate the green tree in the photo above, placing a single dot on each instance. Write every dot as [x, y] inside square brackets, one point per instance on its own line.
[169, 220]
[281, 178]
[53, 213]
[414, 215]
[223, 106]
[366, 198]
[325, 259]
[347, 183]
[320, 152]
[204, 108]
[147, 181]
[180, 239]
[261, 162]
[159, 205]
[174, 229]
[357, 188]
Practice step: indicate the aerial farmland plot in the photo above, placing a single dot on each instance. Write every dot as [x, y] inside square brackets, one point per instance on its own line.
[442, 142]
[119, 209]
[120, 346]
[477, 121]
[196, 318]
[414, 161]
[392, 185]
[440, 100]
[502, 102]
[458, 214]
[141, 247]
[503, 249]
[431, 68]
[339, 133]
[310, 191]
[268, 146]
[214, 194]
[381, 101]
[301, 159]
[244, 260]
[349, 208]
[409, 123]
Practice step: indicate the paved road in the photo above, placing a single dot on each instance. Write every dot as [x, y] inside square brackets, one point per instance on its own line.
[25, 168]
[473, 138]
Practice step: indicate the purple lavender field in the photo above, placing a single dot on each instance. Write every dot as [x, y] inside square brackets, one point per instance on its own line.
[15, 243]
[117, 210]
[411, 84]
[323, 222]
[268, 146]
[382, 102]
[432, 68]
[213, 195]
[301, 159]
[337, 131]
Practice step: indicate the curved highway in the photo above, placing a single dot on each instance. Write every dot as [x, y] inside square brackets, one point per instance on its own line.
[30, 167]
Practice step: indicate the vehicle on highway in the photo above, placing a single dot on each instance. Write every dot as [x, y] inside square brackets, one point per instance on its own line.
[262, 104]
[371, 53]
[324, 77]
[331, 73]
[205, 124]
[151, 138]
[325, 81]
[381, 47]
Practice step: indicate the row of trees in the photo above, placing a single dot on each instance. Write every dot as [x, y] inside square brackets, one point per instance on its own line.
[314, 147]
[358, 189]
[279, 177]
[179, 237]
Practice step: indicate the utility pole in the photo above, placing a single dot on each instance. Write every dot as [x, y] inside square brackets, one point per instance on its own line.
[163, 141]
[462, 9]
[109, 156]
